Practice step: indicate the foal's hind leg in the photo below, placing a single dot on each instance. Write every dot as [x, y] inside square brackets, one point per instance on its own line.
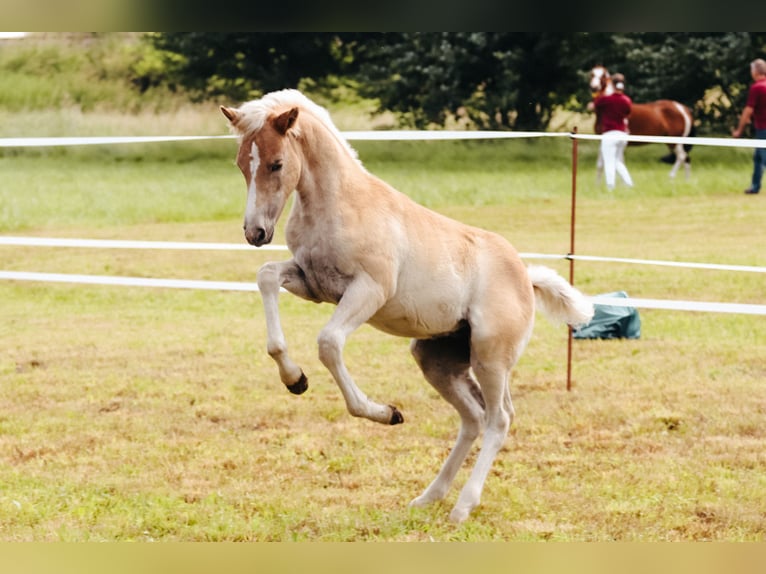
[499, 416]
[496, 345]
[445, 363]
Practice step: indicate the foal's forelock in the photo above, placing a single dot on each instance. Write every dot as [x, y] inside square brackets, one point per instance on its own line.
[254, 115]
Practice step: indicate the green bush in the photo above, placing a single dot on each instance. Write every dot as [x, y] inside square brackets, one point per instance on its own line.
[123, 72]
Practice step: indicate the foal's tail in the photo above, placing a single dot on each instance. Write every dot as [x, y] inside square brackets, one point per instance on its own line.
[558, 299]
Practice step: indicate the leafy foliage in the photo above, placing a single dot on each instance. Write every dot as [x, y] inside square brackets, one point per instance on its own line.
[492, 80]
[489, 80]
[243, 66]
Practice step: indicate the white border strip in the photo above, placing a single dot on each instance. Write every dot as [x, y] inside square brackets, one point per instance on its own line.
[393, 135]
[252, 287]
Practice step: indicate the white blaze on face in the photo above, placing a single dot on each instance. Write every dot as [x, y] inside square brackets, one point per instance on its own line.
[595, 82]
[255, 160]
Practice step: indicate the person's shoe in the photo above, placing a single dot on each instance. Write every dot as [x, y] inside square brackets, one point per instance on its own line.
[751, 191]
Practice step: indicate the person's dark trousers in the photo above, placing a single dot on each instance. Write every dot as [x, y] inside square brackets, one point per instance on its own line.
[759, 159]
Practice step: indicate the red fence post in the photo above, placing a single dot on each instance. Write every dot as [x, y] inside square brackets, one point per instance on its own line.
[572, 249]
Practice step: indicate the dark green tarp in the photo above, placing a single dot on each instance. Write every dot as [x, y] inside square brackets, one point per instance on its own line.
[612, 322]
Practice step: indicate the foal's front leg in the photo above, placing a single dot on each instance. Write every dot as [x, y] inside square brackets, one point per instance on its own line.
[360, 301]
[271, 277]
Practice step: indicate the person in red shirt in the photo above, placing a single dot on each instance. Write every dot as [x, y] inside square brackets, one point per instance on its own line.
[614, 109]
[755, 111]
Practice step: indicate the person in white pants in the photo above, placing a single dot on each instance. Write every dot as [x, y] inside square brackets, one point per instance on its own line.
[613, 147]
[613, 109]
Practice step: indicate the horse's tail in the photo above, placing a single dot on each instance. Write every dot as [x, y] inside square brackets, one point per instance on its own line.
[558, 299]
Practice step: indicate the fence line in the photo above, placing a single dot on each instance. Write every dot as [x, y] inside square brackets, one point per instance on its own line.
[128, 281]
[392, 135]
[112, 280]
[22, 241]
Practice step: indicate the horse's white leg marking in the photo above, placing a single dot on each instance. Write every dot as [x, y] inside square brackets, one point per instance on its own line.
[270, 278]
[361, 299]
[679, 148]
[445, 364]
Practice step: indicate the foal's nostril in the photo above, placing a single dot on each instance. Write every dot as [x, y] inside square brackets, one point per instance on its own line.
[257, 236]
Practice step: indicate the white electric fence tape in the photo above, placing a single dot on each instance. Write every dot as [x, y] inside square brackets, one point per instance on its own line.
[127, 281]
[21, 241]
[394, 135]
[132, 244]
[241, 286]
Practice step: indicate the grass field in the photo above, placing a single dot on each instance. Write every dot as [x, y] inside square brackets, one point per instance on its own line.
[152, 414]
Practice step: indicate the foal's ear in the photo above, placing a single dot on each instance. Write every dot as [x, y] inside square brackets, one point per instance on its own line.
[231, 114]
[285, 121]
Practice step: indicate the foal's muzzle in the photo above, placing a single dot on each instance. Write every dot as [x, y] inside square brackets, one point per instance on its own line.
[259, 236]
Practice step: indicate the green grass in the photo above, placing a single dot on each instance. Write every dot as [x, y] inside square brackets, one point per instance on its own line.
[151, 414]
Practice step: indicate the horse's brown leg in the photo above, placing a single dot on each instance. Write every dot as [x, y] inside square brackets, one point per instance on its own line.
[445, 363]
[271, 277]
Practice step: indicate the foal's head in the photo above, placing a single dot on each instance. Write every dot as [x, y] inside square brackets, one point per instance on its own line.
[276, 149]
[268, 158]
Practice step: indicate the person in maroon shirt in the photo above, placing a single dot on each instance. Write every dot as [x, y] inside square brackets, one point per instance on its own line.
[755, 111]
[614, 109]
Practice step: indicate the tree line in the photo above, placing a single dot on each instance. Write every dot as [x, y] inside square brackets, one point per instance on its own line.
[495, 80]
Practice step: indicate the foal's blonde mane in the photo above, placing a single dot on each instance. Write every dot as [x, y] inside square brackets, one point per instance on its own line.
[255, 113]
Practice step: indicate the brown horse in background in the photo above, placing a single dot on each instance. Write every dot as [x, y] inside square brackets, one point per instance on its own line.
[658, 118]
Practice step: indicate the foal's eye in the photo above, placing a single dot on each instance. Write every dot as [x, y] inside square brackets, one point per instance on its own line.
[276, 166]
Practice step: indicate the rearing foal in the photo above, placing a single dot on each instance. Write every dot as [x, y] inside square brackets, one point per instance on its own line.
[461, 293]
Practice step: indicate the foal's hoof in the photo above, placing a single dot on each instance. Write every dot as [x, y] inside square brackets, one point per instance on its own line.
[396, 416]
[300, 387]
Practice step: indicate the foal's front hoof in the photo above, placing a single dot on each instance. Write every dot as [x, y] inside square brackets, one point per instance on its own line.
[396, 416]
[299, 387]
